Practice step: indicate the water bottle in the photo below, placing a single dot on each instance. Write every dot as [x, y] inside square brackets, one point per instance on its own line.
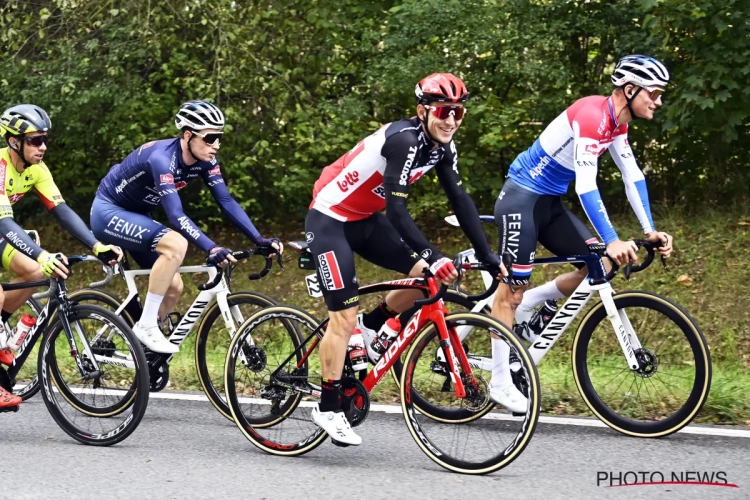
[543, 316]
[387, 333]
[22, 329]
[357, 351]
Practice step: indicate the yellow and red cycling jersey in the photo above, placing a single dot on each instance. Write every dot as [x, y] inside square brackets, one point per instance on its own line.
[14, 184]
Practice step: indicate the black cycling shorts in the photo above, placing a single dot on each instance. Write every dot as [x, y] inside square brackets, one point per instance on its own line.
[524, 217]
[333, 243]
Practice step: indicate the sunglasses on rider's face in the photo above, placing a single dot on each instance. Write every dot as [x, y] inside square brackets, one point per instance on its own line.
[212, 139]
[443, 112]
[37, 140]
[654, 93]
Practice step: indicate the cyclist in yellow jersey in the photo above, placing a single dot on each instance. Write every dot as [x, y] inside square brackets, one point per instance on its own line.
[25, 131]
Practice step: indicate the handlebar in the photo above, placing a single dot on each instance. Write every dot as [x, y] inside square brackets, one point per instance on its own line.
[469, 266]
[264, 251]
[73, 260]
[631, 268]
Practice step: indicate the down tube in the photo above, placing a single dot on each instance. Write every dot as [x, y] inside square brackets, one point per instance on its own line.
[564, 317]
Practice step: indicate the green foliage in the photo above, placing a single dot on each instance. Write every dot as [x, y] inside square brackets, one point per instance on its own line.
[301, 82]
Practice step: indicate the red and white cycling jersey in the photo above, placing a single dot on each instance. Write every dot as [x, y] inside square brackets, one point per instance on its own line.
[352, 188]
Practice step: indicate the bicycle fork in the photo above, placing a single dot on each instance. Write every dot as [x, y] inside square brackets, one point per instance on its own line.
[456, 364]
[623, 328]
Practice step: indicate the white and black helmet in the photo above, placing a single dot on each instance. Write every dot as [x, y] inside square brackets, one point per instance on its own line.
[199, 115]
[640, 70]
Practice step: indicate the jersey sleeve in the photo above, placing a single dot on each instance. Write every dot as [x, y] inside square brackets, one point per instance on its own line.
[229, 206]
[462, 204]
[635, 182]
[46, 188]
[585, 160]
[399, 151]
[164, 182]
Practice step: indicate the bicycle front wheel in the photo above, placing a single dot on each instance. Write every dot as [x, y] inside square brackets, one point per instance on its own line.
[213, 342]
[672, 381]
[270, 380]
[471, 445]
[97, 406]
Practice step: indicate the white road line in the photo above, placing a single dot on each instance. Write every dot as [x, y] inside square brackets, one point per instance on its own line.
[581, 422]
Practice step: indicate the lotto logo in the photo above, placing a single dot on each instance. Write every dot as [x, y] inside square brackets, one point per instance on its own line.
[329, 271]
[166, 179]
[215, 171]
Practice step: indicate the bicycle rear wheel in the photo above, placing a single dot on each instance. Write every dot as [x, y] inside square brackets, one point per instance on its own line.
[103, 407]
[270, 398]
[674, 376]
[471, 445]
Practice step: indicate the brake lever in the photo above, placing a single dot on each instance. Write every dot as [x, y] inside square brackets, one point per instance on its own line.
[627, 270]
[664, 262]
[280, 261]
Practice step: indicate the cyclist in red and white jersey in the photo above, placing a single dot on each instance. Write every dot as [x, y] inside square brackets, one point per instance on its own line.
[345, 217]
[530, 208]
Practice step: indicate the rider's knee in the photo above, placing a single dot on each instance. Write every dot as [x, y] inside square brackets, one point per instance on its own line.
[30, 270]
[343, 322]
[173, 246]
[505, 299]
[418, 270]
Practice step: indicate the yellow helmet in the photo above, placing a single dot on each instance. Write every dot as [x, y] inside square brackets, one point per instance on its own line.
[24, 118]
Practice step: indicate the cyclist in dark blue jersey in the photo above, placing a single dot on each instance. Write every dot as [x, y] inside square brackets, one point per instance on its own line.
[151, 176]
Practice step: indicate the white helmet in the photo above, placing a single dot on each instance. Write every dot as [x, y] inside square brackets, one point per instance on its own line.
[199, 115]
[640, 70]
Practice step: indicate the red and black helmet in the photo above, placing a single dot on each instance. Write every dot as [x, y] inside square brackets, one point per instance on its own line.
[441, 87]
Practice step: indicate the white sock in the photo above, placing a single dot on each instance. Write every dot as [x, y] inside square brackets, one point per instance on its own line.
[535, 297]
[500, 370]
[150, 310]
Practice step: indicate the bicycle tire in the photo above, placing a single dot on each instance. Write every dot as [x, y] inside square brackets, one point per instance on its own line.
[201, 362]
[136, 397]
[29, 390]
[250, 426]
[104, 298]
[439, 413]
[701, 361]
[438, 454]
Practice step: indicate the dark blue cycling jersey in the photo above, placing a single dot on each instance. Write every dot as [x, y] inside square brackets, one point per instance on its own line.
[151, 176]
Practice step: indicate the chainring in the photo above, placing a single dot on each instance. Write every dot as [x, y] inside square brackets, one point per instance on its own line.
[158, 371]
[355, 401]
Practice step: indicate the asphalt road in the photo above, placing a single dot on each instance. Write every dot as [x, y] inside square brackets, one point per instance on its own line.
[185, 449]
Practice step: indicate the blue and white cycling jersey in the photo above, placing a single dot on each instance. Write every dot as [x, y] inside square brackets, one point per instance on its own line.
[568, 150]
[153, 174]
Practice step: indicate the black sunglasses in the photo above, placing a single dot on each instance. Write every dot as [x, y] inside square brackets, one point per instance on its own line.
[37, 140]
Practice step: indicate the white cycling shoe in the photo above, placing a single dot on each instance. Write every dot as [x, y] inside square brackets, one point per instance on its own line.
[368, 336]
[154, 339]
[509, 397]
[336, 425]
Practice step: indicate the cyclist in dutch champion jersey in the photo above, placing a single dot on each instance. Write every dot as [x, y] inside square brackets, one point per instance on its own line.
[345, 217]
[151, 176]
[530, 208]
[25, 129]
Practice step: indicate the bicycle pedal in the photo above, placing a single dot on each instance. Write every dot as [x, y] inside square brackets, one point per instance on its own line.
[339, 443]
[17, 407]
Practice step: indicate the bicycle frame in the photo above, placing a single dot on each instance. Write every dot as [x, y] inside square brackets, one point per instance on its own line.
[595, 282]
[57, 303]
[434, 313]
[194, 313]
